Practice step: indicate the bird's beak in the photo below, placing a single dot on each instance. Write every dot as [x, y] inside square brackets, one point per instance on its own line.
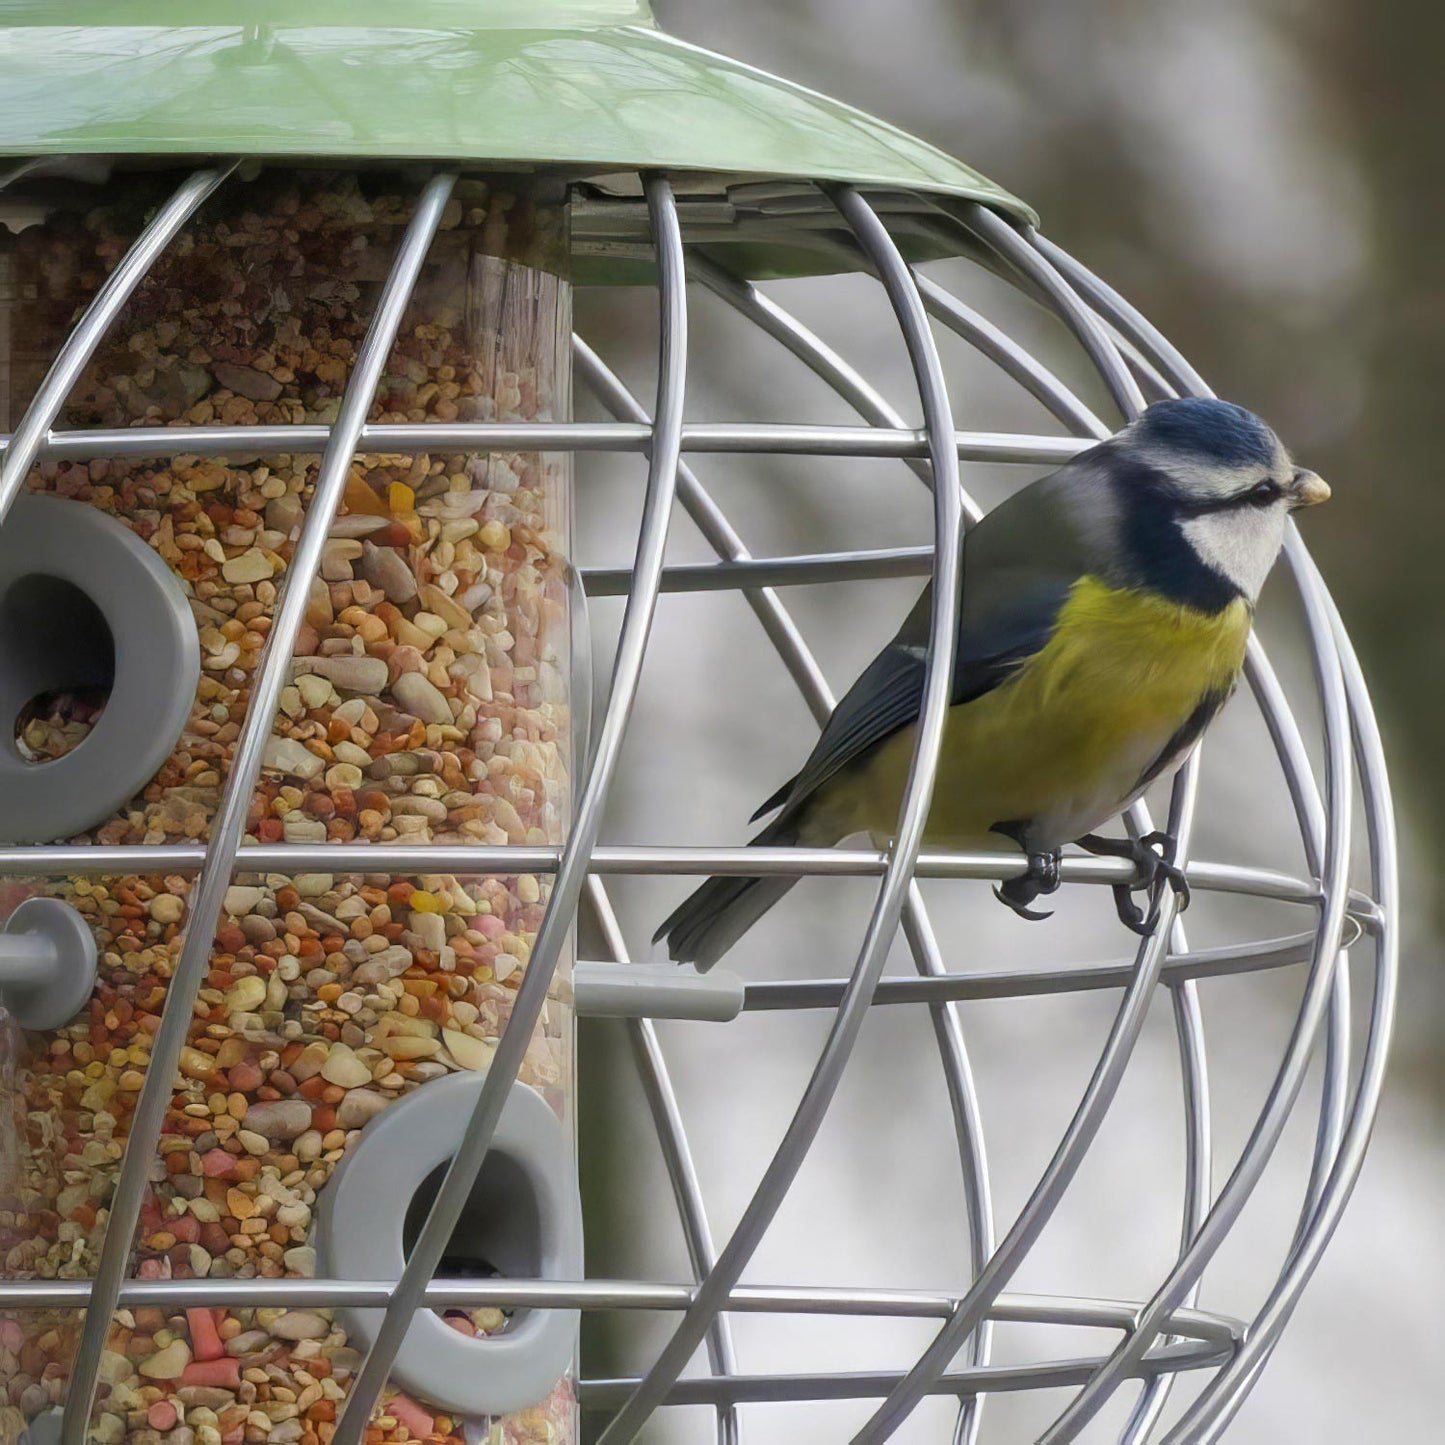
[1308, 489]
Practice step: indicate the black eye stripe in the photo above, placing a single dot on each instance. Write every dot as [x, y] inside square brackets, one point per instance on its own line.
[1262, 494]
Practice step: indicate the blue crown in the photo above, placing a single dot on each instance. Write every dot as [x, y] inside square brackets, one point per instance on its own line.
[1217, 431]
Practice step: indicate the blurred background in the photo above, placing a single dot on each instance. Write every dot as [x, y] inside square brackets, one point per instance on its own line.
[1262, 178]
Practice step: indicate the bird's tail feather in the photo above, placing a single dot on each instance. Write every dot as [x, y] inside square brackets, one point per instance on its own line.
[713, 917]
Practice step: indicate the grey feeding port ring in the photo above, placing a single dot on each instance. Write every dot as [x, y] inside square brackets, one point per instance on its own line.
[84, 603]
[522, 1219]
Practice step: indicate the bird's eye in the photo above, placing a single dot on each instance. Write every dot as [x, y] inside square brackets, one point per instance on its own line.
[1262, 494]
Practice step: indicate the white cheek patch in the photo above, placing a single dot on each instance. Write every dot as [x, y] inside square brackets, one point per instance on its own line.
[1240, 542]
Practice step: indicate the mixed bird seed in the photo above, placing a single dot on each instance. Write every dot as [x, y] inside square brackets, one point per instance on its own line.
[428, 702]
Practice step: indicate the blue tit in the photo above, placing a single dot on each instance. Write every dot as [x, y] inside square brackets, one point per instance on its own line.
[1104, 614]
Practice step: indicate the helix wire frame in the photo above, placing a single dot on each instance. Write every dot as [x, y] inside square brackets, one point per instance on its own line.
[1161, 1338]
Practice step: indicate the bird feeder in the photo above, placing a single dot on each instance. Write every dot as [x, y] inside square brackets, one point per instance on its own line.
[298, 795]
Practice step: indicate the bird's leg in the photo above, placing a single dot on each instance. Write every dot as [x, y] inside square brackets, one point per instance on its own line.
[1153, 860]
[1042, 878]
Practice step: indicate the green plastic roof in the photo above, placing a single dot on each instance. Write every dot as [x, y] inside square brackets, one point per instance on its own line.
[588, 86]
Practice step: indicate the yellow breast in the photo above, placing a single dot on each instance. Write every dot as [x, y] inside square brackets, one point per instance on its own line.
[1065, 741]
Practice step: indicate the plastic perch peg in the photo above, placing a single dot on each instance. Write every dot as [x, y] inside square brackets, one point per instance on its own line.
[658, 991]
[47, 964]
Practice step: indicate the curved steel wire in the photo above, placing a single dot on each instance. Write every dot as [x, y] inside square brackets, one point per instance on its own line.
[968, 1128]
[1198, 1157]
[642, 1034]
[573, 863]
[868, 1384]
[1129, 1021]
[840, 375]
[1010, 246]
[1036, 1212]
[1217, 1404]
[64, 860]
[1049, 390]
[1149, 1407]
[1284, 1090]
[1187, 1019]
[1011, 358]
[229, 826]
[1333, 1135]
[1128, 319]
[1179, 968]
[1325, 1200]
[1188, 1029]
[997, 346]
[677, 1156]
[808, 1117]
[917, 928]
[803, 668]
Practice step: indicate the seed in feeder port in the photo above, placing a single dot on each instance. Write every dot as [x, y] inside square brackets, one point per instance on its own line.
[168, 1363]
[250, 566]
[352, 674]
[421, 698]
[282, 1120]
[344, 1068]
[470, 1053]
[166, 908]
[300, 1325]
[286, 755]
[246, 994]
[240, 901]
[431, 929]
[316, 691]
[384, 568]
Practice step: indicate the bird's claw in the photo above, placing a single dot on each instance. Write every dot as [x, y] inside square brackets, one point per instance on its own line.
[1041, 878]
[1034, 915]
[1153, 860]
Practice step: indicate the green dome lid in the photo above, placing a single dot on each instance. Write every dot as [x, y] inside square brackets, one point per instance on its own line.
[584, 87]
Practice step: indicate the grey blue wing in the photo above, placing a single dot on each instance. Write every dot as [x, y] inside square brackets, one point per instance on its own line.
[885, 697]
[1019, 565]
[889, 694]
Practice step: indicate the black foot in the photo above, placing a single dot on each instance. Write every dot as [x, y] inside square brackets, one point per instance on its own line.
[1153, 858]
[1042, 878]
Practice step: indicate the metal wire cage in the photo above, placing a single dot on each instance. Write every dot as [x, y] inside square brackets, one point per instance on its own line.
[678, 229]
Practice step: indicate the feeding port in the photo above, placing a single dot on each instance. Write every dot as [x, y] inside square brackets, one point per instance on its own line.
[89, 615]
[522, 1220]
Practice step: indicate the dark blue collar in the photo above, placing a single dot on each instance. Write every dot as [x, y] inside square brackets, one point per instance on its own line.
[1156, 555]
